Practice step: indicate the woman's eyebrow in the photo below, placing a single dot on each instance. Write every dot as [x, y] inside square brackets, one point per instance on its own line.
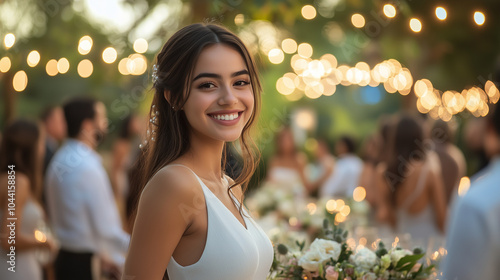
[217, 76]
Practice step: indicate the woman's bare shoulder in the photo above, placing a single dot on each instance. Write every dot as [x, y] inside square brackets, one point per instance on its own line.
[172, 183]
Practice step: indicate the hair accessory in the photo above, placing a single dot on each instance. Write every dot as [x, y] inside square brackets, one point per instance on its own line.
[150, 134]
[154, 75]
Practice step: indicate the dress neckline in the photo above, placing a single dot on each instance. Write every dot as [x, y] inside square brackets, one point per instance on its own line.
[232, 197]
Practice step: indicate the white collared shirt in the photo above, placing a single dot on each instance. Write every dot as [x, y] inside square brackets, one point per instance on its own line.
[81, 205]
[473, 237]
[344, 178]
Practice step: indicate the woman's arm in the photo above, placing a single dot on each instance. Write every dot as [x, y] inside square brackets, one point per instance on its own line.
[385, 210]
[328, 165]
[301, 163]
[119, 156]
[167, 208]
[438, 198]
[22, 241]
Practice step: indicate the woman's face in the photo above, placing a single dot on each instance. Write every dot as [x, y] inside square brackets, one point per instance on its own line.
[221, 100]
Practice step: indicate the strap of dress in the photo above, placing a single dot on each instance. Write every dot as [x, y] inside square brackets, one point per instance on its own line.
[418, 189]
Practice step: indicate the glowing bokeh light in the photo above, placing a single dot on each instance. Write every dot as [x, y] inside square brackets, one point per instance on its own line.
[358, 20]
[141, 45]
[20, 81]
[85, 68]
[308, 12]
[479, 18]
[389, 10]
[33, 58]
[441, 13]
[415, 25]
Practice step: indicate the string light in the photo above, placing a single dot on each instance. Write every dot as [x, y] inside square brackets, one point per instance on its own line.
[308, 12]
[479, 18]
[276, 56]
[109, 55]
[63, 65]
[358, 20]
[305, 50]
[5, 64]
[9, 40]
[289, 45]
[85, 68]
[389, 10]
[51, 67]
[85, 45]
[33, 58]
[20, 81]
[140, 45]
[441, 13]
[239, 19]
[415, 25]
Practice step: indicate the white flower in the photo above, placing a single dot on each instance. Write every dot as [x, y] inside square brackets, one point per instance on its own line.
[327, 248]
[385, 261]
[311, 260]
[397, 254]
[364, 259]
[287, 208]
[369, 276]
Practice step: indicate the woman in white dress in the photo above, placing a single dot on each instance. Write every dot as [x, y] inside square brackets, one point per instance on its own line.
[190, 223]
[286, 168]
[413, 195]
[21, 154]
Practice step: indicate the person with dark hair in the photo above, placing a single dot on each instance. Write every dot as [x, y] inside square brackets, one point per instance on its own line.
[452, 160]
[473, 240]
[55, 128]
[412, 193]
[190, 213]
[287, 166]
[124, 153]
[21, 155]
[80, 199]
[345, 175]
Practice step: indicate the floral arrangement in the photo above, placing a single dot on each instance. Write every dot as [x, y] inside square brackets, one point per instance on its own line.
[330, 258]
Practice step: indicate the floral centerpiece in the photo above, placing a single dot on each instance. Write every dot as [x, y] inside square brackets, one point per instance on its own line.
[330, 258]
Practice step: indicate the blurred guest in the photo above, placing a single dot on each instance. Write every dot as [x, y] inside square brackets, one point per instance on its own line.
[412, 192]
[452, 160]
[287, 165]
[323, 167]
[55, 128]
[125, 150]
[21, 155]
[80, 199]
[370, 159]
[474, 130]
[473, 240]
[345, 176]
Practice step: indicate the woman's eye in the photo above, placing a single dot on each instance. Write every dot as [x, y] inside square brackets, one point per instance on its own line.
[241, 83]
[206, 86]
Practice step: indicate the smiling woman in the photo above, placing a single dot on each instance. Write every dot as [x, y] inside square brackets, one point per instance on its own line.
[207, 93]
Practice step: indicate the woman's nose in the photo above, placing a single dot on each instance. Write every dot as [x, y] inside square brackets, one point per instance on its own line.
[228, 96]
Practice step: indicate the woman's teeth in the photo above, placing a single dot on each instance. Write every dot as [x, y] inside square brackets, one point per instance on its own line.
[227, 117]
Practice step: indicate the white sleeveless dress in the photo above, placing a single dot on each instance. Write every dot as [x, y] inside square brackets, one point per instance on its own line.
[421, 226]
[231, 250]
[27, 264]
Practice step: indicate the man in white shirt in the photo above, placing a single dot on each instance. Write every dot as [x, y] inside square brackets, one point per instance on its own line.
[346, 172]
[79, 197]
[473, 240]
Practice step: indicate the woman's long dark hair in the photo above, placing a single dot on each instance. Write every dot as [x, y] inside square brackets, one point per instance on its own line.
[407, 146]
[20, 148]
[175, 63]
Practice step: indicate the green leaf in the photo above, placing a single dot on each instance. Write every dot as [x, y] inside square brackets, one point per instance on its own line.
[406, 263]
